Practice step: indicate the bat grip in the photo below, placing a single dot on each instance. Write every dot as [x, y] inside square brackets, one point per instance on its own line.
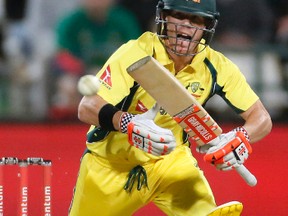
[246, 175]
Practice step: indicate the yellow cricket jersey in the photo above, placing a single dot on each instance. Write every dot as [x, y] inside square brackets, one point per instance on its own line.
[209, 73]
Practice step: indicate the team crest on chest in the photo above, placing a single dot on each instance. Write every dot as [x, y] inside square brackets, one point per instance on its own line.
[195, 88]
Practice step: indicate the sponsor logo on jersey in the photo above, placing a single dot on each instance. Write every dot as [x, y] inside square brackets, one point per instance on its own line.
[106, 77]
[140, 107]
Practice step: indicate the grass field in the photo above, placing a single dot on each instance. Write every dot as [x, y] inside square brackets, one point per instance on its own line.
[64, 145]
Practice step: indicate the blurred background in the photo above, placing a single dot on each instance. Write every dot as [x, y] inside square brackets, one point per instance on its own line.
[46, 45]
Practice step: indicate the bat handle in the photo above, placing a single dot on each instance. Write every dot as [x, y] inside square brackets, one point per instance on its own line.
[246, 175]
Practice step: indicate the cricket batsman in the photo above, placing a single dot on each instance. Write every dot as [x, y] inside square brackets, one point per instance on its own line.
[136, 152]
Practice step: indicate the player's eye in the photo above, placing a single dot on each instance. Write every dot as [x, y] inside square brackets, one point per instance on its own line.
[192, 18]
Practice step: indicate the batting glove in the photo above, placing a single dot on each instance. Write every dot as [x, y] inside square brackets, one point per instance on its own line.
[144, 134]
[230, 150]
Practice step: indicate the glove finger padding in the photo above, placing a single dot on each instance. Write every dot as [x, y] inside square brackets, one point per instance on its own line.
[234, 158]
[226, 163]
[218, 141]
[222, 149]
[203, 149]
[149, 129]
[231, 154]
[156, 148]
[147, 136]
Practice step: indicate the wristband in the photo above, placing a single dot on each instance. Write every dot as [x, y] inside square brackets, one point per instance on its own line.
[124, 121]
[105, 117]
[243, 130]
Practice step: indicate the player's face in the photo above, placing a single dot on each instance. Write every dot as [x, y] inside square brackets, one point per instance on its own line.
[184, 32]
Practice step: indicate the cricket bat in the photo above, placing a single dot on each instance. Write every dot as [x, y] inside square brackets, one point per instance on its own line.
[180, 104]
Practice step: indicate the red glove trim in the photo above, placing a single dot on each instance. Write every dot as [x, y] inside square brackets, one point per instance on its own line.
[229, 147]
[130, 127]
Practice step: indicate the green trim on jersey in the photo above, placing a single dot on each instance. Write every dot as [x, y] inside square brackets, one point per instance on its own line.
[217, 89]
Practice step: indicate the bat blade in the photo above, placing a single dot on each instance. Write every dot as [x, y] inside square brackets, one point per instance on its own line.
[182, 106]
[175, 99]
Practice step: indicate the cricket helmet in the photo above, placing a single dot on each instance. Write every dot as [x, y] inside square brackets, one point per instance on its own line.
[203, 8]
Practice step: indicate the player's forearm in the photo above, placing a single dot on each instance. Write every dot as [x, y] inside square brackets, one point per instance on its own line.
[259, 128]
[89, 109]
[258, 122]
